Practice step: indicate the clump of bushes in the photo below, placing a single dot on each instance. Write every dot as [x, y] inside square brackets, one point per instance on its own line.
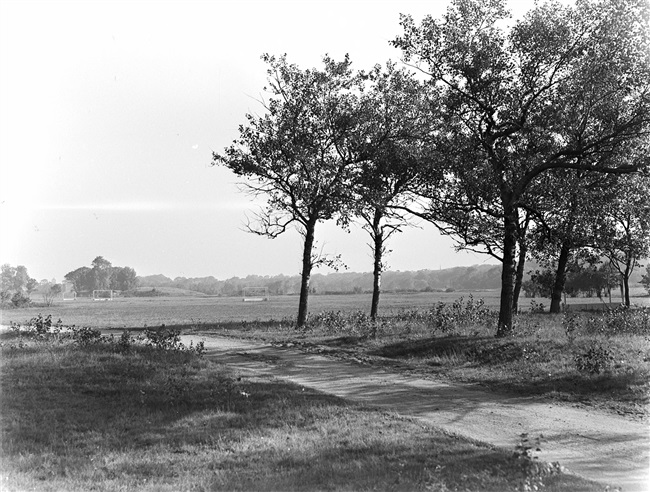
[333, 322]
[43, 328]
[612, 322]
[442, 318]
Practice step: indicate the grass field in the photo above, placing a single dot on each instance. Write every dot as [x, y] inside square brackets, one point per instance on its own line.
[590, 359]
[189, 311]
[186, 311]
[99, 416]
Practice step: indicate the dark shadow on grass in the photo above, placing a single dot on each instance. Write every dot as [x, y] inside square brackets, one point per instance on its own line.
[488, 351]
[434, 346]
[617, 386]
[344, 341]
[131, 399]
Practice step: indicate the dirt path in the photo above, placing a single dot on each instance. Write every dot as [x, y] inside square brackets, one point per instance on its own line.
[598, 446]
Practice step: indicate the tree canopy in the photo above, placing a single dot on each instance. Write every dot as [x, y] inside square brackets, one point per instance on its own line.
[300, 155]
[563, 88]
[496, 135]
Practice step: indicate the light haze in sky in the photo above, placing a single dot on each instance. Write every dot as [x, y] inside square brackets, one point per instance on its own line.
[110, 112]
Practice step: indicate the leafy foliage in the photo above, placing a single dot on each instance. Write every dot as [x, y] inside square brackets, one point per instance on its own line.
[43, 328]
[595, 360]
[645, 280]
[102, 276]
[16, 285]
[564, 89]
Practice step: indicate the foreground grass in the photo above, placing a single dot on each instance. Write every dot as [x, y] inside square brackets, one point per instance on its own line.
[595, 359]
[103, 418]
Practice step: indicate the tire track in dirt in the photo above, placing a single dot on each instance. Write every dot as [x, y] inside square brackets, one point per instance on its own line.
[589, 443]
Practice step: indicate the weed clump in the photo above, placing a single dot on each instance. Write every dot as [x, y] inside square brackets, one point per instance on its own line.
[595, 360]
[43, 328]
[532, 471]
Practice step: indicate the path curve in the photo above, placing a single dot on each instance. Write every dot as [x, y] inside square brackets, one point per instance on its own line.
[589, 443]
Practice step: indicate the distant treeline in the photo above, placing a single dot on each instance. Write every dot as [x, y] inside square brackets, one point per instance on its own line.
[476, 277]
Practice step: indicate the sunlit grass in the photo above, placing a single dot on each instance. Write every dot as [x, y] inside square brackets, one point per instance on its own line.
[92, 418]
[539, 359]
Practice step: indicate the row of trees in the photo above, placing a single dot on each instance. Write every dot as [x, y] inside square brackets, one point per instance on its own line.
[15, 284]
[102, 275]
[581, 277]
[466, 278]
[514, 138]
[18, 287]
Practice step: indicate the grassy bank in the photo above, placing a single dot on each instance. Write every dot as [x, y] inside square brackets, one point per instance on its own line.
[81, 412]
[597, 359]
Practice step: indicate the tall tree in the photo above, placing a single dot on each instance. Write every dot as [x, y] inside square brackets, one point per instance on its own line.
[123, 278]
[82, 279]
[563, 88]
[15, 279]
[102, 270]
[645, 279]
[395, 109]
[570, 212]
[626, 235]
[300, 155]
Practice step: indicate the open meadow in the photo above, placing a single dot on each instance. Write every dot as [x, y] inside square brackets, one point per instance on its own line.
[135, 410]
[81, 411]
[139, 312]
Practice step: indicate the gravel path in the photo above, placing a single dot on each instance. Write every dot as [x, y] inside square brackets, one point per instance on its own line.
[595, 445]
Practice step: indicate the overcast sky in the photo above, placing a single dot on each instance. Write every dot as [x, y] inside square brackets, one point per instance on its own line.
[110, 111]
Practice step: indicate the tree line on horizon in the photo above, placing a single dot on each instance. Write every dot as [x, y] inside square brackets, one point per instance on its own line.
[582, 280]
[457, 278]
[101, 275]
[520, 140]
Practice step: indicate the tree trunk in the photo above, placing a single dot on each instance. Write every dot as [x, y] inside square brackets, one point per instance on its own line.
[505, 326]
[626, 283]
[519, 278]
[378, 238]
[306, 273]
[560, 278]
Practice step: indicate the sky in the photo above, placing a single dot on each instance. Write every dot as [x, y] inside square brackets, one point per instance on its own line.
[110, 112]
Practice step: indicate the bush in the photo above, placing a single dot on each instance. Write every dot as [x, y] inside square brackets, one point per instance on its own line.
[355, 323]
[447, 318]
[42, 328]
[163, 338]
[39, 326]
[20, 300]
[594, 360]
[537, 307]
[570, 323]
[620, 321]
[168, 339]
[86, 336]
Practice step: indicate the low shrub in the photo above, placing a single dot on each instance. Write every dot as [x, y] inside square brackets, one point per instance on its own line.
[537, 307]
[164, 338]
[532, 470]
[460, 314]
[595, 360]
[356, 323]
[38, 326]
[42, 328]
[571, 324]
[620, 321]
[84, 336]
